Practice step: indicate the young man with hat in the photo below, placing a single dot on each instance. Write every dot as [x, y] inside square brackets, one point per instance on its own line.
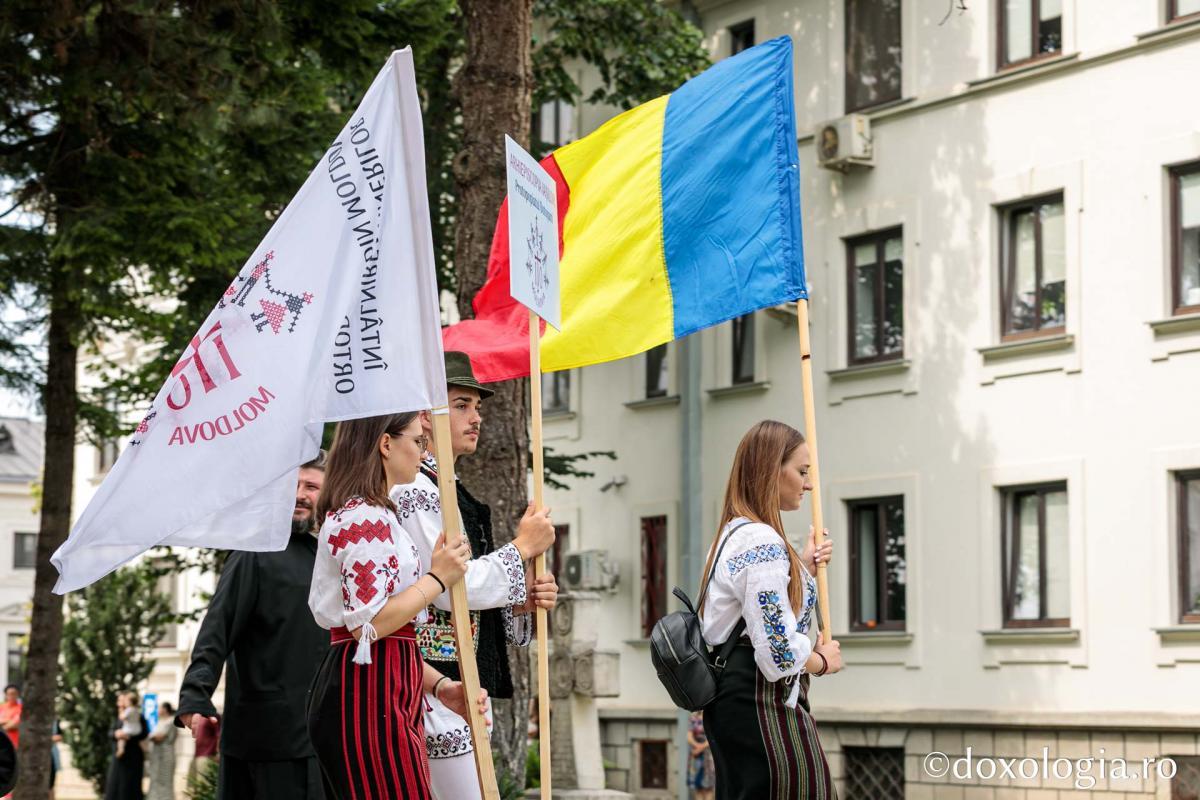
[500, 592]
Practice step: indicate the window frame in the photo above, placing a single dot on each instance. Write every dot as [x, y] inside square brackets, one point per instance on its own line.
[880, 239]
[22, 654]
[661, 391]
[1175, 174]
[1010, 498]
[1002, 37]
[654, 594]
[854, 507]
[847, 104]
[1182, 478]
[740, 28]
[33, 563]
[562, 377]
[665, 744]
[1173, 14]
[1008, 265]
[740, 328]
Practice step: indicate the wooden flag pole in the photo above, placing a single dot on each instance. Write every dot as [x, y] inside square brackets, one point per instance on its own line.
[810, 434]
[460, 614]
[539, 564]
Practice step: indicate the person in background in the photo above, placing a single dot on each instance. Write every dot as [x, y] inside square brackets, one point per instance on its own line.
[130, 720]
[700, 763]
[125, 771]
[55, 756]
[207, 733]
[10, 713]
[162, 755]
[259, 631]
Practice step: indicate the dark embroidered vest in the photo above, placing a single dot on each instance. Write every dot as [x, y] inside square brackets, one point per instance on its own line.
[491, 645]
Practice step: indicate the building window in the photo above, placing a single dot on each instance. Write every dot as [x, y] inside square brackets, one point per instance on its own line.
[1178, 9]
[24, 550]
[554, 125]
[1029, 29]
[878, 570]
[654, 572]
[108, 449]
[741, 37]
[1186, 783]
[652, 763]
[168, 585]
[556, 392]
[656, 371]
[874, 773]
[554, 560]
[1034, 551]
[1185, 238]
[1188, 492]
[1034, 269]
[16, 657]
[876, 297]
[873, 53]
[743, 349]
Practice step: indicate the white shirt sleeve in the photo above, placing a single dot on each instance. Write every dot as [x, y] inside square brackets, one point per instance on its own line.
[496, 580]
[759, 568]
[362, 546]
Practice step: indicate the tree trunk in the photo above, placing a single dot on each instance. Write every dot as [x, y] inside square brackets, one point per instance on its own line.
[41, 670]
[494, 89]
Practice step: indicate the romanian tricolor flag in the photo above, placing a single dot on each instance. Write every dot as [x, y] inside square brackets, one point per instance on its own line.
[679, 214]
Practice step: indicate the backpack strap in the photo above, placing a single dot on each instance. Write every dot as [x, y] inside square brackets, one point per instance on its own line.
[726, 649]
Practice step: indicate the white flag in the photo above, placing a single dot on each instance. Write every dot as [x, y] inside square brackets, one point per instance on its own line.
[335, 316]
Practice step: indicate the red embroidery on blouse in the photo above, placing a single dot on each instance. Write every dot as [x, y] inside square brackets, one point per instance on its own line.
[360, 532]
[365, 580]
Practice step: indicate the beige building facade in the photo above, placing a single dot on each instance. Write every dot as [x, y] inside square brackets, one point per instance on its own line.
[1006, 340]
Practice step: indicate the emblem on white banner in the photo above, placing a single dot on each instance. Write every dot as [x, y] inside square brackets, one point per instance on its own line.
[532, 234]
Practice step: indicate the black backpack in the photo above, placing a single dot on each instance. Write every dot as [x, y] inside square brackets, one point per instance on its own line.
[686, 667]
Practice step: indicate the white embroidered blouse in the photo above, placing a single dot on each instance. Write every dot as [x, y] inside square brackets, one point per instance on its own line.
[751, 582]
[363, 558]
[494, 580]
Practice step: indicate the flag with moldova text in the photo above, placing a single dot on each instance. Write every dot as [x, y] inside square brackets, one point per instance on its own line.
[679, 214]
[334, 316]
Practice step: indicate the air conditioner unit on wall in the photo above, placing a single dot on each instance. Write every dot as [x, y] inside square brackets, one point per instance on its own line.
[590, 570]
[845, 143]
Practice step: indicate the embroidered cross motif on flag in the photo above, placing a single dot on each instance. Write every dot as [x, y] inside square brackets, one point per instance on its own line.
[302, 336]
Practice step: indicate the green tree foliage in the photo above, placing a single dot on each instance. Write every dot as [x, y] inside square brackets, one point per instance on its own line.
[113, 627]
[146, 146]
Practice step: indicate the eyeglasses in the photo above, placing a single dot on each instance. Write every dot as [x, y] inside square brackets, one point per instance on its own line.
[421, 441]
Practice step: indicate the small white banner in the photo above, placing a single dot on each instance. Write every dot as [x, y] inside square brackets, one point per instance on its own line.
[532, 234]
[334, 316]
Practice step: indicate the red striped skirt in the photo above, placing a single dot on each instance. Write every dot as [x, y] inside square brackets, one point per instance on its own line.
[365, 720]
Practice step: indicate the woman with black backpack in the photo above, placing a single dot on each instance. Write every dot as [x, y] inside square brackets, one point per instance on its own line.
[763, 738]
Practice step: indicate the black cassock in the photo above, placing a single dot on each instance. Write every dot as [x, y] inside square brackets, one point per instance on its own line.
[259, 627]
[124, 780]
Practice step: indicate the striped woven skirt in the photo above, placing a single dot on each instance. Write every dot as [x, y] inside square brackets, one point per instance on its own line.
[762, 749]
[365, 720]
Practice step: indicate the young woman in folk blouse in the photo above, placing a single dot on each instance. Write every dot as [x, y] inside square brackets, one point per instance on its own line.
[365, 711]
[763, 738]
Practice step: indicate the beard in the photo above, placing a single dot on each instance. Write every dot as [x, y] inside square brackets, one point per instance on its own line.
[302, 525]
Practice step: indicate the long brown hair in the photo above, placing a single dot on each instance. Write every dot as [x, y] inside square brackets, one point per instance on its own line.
[355, 467]
[753, 492]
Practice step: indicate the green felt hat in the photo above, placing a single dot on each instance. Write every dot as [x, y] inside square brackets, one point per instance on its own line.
[459, 373]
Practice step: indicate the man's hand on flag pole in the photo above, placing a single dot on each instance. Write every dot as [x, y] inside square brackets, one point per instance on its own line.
[535, 533]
